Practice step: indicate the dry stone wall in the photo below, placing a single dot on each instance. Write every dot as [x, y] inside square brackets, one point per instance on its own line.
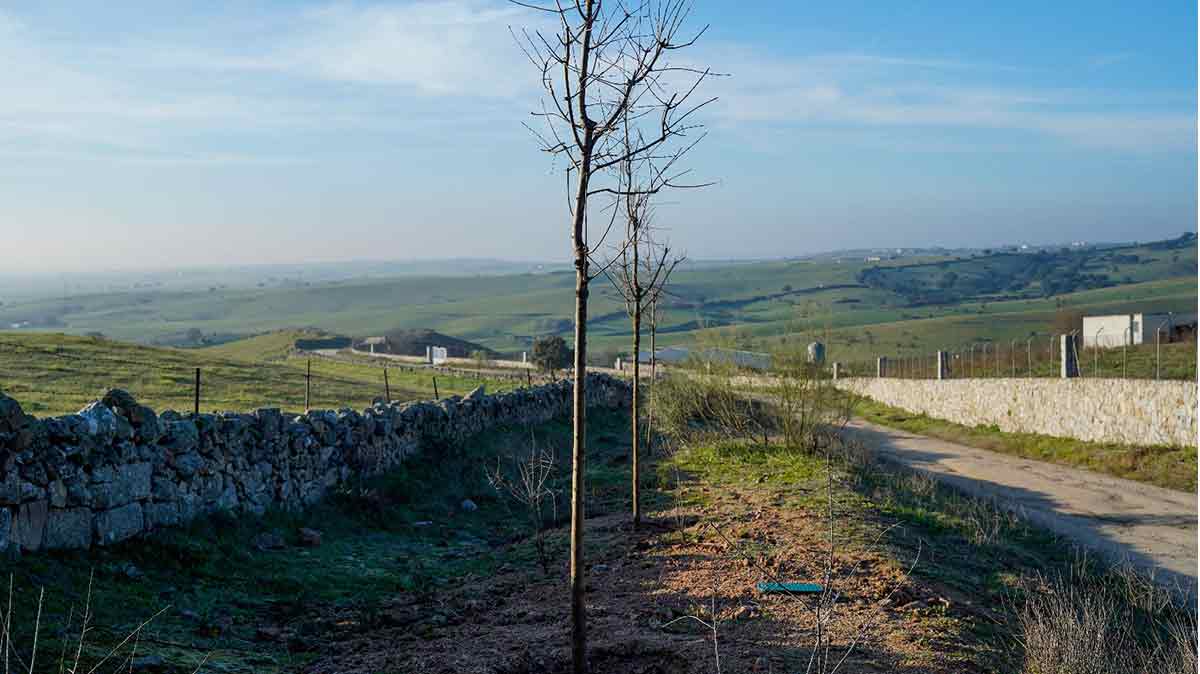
[117, 469]
[1131, 411]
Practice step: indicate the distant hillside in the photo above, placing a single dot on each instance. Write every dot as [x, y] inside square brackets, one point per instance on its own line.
[506, 312]
[1013, 275]
[278, 344]
[414, 342]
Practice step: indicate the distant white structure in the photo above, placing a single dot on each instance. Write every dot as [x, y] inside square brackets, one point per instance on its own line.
[1116, 330]
[816, 353]
[437, 354]
[372, 342]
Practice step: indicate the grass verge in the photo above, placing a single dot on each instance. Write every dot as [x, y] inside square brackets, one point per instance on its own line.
[978, 565]
[1170, 467]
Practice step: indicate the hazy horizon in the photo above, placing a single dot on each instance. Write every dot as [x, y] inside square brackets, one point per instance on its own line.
[564, 262]
[140, 136]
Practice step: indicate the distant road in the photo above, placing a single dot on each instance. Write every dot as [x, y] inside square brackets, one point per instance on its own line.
[1150, 527]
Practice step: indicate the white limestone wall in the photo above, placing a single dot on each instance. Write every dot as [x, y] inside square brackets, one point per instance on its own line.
[1130, 411]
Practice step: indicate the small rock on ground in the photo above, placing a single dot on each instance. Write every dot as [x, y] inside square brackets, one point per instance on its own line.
[310, 538]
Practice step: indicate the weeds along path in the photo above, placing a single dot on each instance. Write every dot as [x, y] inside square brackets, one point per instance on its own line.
[1150, 527]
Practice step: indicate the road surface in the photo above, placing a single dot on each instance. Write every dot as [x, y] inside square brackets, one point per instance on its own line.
[1150, 527]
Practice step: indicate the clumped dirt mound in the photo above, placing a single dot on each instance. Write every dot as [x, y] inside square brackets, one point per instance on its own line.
[414, 342]
[646, 589]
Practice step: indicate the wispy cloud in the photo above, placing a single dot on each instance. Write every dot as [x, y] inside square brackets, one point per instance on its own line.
[402, 65]
[878, 91]
[432, 64]
[455, 48]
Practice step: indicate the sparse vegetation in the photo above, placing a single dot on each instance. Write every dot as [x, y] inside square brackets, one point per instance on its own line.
[1079, 626]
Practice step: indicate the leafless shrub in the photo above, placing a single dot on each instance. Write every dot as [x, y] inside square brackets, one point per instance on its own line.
[807, 408]
[529, 483]
[922, 484]
[1142, 590]
[1174, 651]
[1065, 629]
[692, 407]
[987, 522]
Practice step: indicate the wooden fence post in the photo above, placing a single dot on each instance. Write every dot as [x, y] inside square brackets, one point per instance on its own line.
[435, 391]
[308, 386]
[387, 390]
[196, 395]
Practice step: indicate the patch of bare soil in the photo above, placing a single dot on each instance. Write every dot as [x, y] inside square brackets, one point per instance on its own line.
[651, 594]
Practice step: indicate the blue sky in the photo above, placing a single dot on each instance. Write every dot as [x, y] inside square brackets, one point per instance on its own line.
[154, 134]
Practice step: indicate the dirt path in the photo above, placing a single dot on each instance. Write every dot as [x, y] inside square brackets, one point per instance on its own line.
[1150, 527]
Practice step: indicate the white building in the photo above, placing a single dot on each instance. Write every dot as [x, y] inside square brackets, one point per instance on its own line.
[1119, 329]
[372, 342]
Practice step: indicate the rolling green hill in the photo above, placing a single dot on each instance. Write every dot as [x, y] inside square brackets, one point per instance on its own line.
[52, 374]
[1042, 273]
[999, 295]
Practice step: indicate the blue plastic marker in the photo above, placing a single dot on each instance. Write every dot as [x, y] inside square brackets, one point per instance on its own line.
[790, 588]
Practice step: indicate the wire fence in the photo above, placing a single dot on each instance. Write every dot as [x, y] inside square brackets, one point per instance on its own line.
[54, 380]
[1038, 355]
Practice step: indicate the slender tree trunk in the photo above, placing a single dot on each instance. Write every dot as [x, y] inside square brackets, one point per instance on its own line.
[637, 360]
[578, 446]
[579, 391]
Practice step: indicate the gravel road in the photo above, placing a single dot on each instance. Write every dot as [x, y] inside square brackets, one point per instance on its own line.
[1151, 527]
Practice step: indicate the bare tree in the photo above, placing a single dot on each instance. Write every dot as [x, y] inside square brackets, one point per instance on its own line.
[605, 63]
[639, 271]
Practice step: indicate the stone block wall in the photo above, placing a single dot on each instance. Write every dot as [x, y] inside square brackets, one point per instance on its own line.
[117, 469]
[1130, 411]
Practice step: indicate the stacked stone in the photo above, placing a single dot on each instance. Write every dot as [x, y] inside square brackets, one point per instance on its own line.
[116, 469]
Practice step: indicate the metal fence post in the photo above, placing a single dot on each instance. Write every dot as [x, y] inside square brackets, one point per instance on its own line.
[1029, 355]
[1158, 349]
[1070, 356]
[1125, 351]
